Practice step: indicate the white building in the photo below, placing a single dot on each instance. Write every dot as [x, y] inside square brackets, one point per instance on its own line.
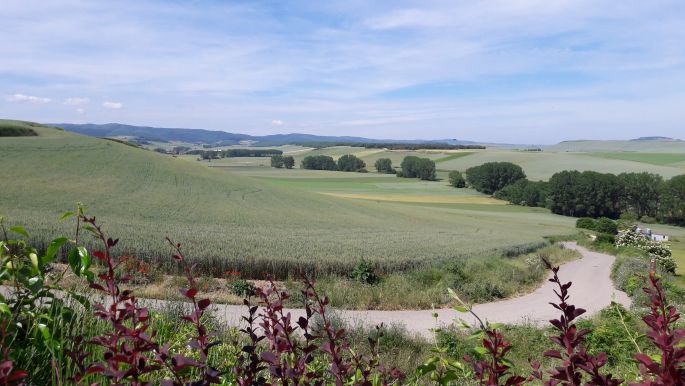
[653, 236]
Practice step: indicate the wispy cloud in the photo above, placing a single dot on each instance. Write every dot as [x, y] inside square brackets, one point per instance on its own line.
[277, 122]
[113, 105]
[27, 98]
[437, 68]
[74, 101]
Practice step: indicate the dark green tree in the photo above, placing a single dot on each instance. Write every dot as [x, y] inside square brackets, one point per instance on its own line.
[493, 176]
[641, 193]
[319, 162]
[672, 207]
[288, 161]
[277, 161]
[350, 163]
[456, 179]
[524, 192]
[384, 165]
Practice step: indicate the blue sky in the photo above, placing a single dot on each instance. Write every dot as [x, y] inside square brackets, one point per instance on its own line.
[521, 71]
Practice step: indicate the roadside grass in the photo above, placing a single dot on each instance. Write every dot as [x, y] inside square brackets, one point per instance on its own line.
[475, 280]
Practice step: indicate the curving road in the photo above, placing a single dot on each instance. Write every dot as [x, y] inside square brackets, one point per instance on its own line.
[592, 290]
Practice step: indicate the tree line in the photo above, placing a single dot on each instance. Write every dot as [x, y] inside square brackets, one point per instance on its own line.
[389, 145]
[216, 154]
[645, 196]
[346, 163]
[281, 161]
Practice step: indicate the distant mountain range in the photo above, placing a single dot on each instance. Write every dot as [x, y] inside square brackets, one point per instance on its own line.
[212, 137]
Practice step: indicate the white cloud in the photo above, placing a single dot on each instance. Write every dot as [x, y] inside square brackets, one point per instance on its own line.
[27, 98]
[80, 110]
[75, 101]
[113, 105]
[277, 122]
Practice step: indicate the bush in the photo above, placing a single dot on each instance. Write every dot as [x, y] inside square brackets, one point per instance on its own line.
[242, 287]
[606, 225]
[456, 179]
[365, 273]
[586, 223]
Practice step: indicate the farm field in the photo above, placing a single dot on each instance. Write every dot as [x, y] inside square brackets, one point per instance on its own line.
[542, 165]
[671, 159]
[252, 223]
[619, 146]
[537, 165]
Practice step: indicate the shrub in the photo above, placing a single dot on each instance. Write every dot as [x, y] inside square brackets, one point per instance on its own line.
[242, 287]
[586, 223]
[657, 250]
[606, 225]
[456, 179]
[365, 273]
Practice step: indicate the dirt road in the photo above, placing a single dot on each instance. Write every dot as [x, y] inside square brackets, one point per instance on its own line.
[592, 289]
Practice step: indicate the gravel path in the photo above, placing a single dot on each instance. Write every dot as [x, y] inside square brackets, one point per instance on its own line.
[592, 290]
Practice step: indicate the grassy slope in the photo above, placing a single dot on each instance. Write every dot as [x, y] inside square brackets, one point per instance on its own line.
[541, 165]
[650, 158]
[230, 221]
[613, 146]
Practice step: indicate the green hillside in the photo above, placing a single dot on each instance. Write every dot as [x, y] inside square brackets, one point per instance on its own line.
[542, 165]
[647, 146]
[228, 221]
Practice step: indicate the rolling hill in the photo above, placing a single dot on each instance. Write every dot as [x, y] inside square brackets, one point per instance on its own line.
[228, 221]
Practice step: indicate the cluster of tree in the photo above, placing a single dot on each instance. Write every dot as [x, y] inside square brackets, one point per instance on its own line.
[384, 165]
[318, 162]
[490, 177]
[644, 196]
[456, 179]
[350, 163]
[524, 192]
[251, 152]
[415, 167]
[390, 145]
[280, 161]
[216, 154]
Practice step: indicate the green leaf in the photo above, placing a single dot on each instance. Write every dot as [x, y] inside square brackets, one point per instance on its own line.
[5, 309]
[75, 261]
[20, 230]
[66, 215]
[85, 258]
[480, 350]
[461, 309]
[44, 331]
[54, 247]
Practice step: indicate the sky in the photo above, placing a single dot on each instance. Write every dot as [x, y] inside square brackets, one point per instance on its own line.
[512, 71]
